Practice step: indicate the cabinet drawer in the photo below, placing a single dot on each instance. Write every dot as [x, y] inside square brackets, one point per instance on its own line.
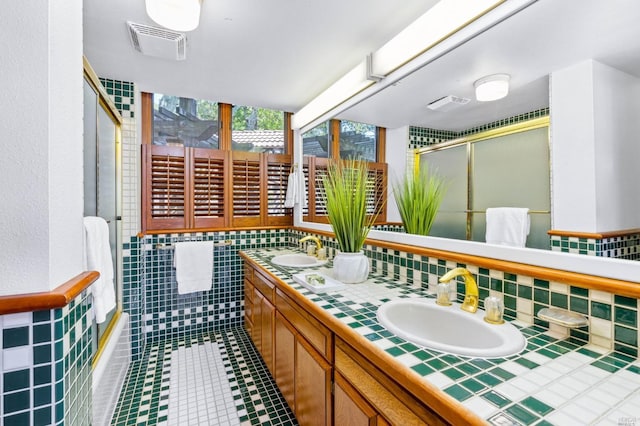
[319, 336]
[394, 403]
[264, 285]
[248, 272]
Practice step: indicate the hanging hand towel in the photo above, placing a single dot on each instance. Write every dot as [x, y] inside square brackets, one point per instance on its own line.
[507, 226]
[98, 258]
[194, 266]
[292, 193]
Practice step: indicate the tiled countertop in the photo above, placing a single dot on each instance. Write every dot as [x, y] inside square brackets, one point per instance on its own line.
[553, 381]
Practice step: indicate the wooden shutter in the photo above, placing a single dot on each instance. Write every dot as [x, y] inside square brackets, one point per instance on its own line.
[278, 169]
[246, 174]
[376, 197]
[164, 179]
[208, 187]
[317, 199]
[305, 173]
[377, 191]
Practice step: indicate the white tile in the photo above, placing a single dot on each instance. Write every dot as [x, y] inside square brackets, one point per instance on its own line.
[601, 296]
[17, 358]
[514, 368]
[558, 287]
[510, 391]
[408, 360]
[525, 385]
[480, 407]
[16, 320]
[438, 379]
[592, 404]
[549, 398]
[576, 411]
[601, 327]
[537, 358]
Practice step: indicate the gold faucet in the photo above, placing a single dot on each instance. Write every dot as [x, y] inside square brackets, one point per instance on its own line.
[314, 239]
[471, 296]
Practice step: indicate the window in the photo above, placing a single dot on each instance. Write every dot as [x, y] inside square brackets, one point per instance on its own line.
[358, 140]
[258, 130]
[185, 122]
[316, 211]
[352, 140]
[315, 142]
[200, 182]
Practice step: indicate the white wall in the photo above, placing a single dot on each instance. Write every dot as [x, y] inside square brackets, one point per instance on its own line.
[41, 166]
[617, 134]
[396, 156]
[593, 149]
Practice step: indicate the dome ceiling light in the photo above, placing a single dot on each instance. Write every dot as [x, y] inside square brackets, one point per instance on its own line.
[176, 15]
[492, 87]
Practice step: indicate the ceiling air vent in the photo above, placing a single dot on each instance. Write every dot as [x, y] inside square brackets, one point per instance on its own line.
[447, 103]
[158, 42]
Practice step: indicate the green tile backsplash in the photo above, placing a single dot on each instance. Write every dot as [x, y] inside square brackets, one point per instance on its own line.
[46, 366]
[614, 318]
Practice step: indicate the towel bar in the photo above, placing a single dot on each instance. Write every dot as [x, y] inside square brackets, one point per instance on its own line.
[165, 246]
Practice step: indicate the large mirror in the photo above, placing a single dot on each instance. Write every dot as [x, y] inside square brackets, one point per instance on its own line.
[535, 47]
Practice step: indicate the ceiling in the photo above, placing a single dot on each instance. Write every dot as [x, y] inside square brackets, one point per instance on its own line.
[280, 54]
[547, 36]
[275, 54]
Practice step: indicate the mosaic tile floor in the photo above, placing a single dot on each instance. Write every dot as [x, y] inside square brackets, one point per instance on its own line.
[216, 378]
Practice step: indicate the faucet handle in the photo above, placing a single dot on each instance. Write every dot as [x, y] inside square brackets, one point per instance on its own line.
[442, 294]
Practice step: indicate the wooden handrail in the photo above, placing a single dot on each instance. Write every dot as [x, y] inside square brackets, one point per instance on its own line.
[56, 298]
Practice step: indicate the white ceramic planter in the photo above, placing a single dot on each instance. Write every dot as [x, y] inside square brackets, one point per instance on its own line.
[350, 268]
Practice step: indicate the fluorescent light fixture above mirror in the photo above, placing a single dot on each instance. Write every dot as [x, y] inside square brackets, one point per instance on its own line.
[445, 18]
[177, 15]
[492, 87]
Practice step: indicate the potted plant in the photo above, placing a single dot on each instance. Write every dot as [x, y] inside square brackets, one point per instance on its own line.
[418, 197]
[348, 190]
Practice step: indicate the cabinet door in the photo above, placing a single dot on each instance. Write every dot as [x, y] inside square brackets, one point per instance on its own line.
[312, 386]
[248, 306]
[350, 408]
[267, 311]
[256, 331]
[285, 358]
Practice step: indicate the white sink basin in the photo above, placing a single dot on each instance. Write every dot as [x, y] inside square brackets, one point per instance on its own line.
[450, 329]
[296, 260]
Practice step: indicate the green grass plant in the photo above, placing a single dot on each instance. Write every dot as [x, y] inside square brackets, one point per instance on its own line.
[418, 197]
[346, 187]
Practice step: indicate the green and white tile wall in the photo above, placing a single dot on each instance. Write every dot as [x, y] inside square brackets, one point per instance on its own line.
[420, 137]
[624, 247]
[614, 323]
[46, 366]
[156, 309]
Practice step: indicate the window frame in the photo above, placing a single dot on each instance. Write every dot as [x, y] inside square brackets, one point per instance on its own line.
[273, 169]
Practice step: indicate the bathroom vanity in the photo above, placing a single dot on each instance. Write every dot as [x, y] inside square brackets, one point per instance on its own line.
[336, 364]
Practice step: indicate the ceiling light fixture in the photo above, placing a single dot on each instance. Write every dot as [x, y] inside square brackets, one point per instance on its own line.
[177, 15]
[492, 87]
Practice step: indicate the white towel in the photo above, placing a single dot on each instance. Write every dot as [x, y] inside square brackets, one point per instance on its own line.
[292, 191]
[98, 258]
[303, 191]
[507, 226]
[194, 266]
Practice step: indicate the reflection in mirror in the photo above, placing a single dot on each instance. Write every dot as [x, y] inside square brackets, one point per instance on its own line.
[504, 167]
[587, 56]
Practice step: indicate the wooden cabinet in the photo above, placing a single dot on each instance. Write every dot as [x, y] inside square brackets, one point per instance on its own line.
[302, 372]
[285, 359]
[312, 386]
[350, 408]
[366, 382]
[307, 361]
[259, 312]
